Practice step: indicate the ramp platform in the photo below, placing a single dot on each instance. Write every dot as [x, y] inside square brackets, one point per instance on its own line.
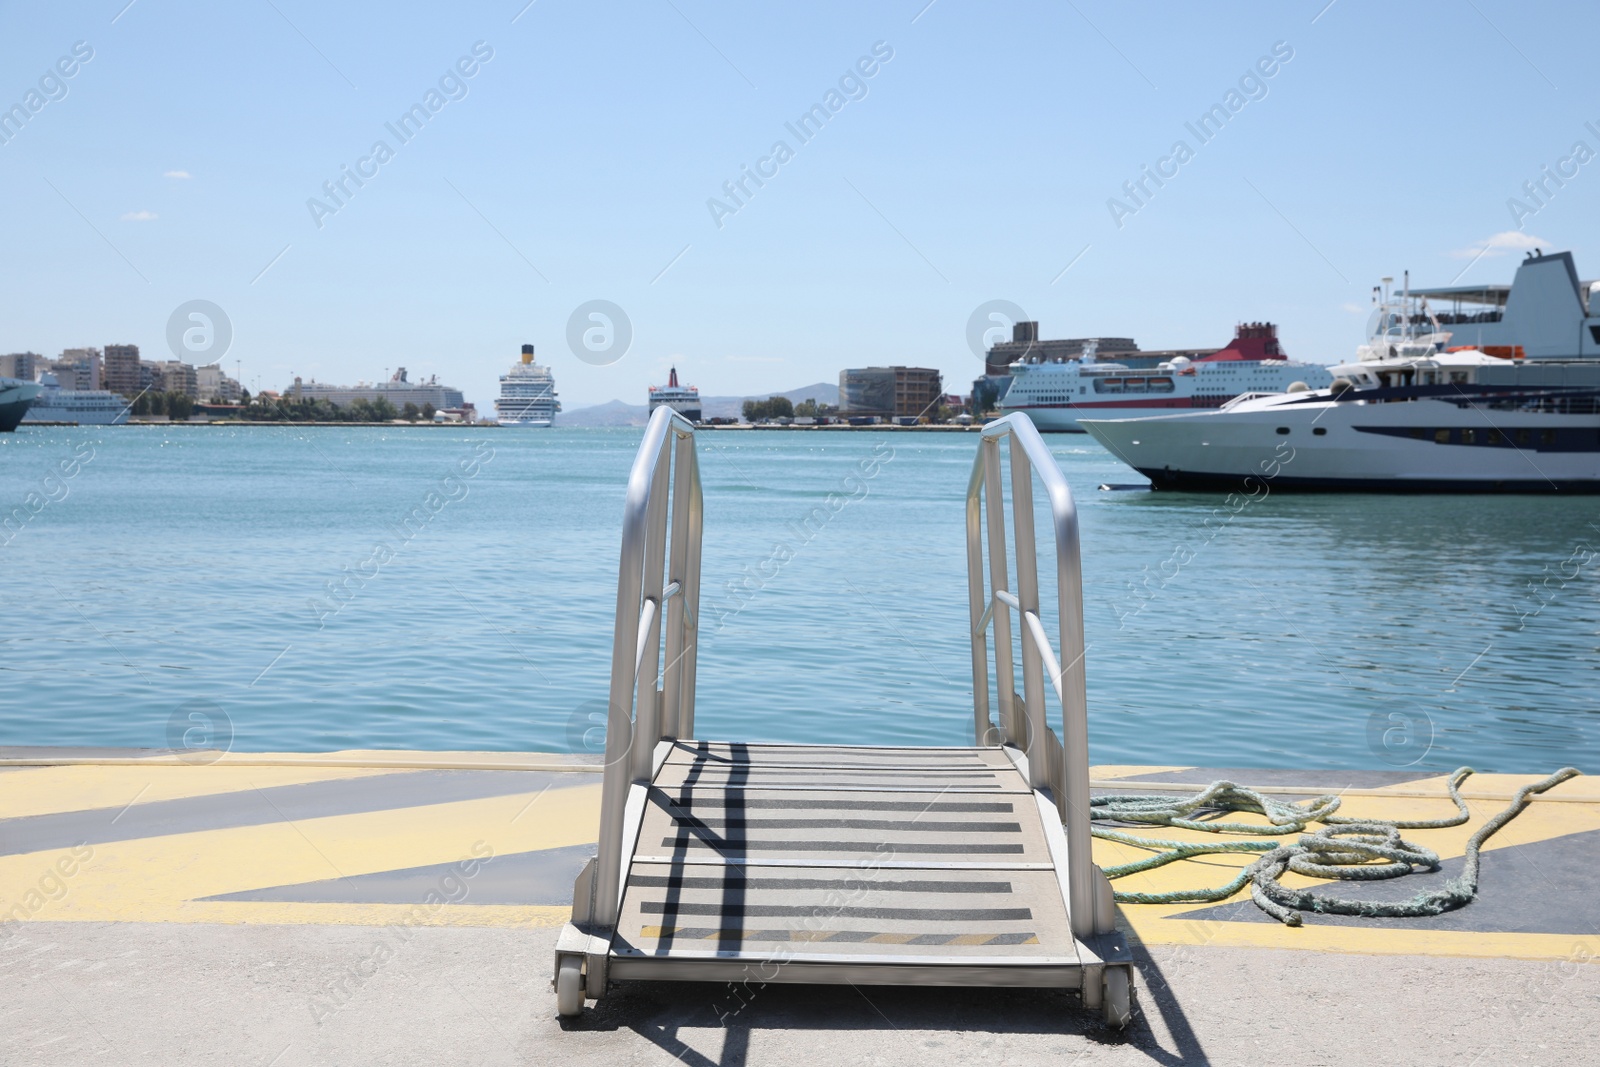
[726, 861]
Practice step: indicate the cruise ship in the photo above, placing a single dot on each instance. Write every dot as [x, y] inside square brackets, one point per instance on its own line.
[527, 394]
[399, 390]
[15, 396]
[86, 407]
[1413, 412]
[684, 399]
[1054, 393]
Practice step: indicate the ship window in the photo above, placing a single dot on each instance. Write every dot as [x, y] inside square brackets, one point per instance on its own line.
[1491, 437]
[1082, 390]
[1469, 437]
[1320, 431]
[1416, 431]
[1547, 437]
[1283, 429]
[1441, 437]
[1523, 437]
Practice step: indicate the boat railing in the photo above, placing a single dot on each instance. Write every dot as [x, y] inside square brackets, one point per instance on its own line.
[654, 642]
[1059, 765]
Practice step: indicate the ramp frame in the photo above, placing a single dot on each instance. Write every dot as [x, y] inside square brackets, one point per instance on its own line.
[699, 839]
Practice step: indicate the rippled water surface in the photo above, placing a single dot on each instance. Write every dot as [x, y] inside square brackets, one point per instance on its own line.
[181, 568]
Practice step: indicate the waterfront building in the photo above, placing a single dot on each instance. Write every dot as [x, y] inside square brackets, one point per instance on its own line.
[123, 370]
[173, 376]
[894, 392]
[399, 390]
[1026, 346]
[212, 382]
[23, 365]
[86, 369]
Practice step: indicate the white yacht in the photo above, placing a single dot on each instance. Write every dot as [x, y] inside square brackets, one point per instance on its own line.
[1413, 413]
[86, 407]
[527, 394]
[1056, 393]
[684, 399]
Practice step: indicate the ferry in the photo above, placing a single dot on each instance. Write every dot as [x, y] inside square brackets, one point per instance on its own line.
[86, 407]
[684, 399]
[527, 394]
[15, 397]
[1413, 413]
[1055, 393]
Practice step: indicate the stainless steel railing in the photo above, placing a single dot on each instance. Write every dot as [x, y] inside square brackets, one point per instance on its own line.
[1061, 766]
[658, 601]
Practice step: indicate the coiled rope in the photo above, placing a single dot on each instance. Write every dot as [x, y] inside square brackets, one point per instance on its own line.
[1345, 849]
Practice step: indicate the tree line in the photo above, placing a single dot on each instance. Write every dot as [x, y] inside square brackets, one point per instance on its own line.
[180, 406]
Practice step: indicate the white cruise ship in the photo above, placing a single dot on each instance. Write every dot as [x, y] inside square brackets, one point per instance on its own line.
[1055, 393]
[527, 394]
[86, 407]
[1413, 413]
[684, 399]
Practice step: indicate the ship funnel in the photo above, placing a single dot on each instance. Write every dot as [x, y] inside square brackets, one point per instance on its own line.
[527, 353]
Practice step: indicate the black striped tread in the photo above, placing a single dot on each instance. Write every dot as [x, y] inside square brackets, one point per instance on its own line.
[842, 912]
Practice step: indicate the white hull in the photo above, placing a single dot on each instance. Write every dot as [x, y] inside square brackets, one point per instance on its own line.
[1421, 445]
[543, 424]
[96, 416]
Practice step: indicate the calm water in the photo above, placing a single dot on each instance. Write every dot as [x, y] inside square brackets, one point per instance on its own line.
[180, 569]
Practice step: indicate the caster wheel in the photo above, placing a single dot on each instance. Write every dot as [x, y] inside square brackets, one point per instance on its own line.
[569, 988]
[1117, 1003]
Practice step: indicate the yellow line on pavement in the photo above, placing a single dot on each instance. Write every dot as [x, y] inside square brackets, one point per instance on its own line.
[159, 879]
[49, 790]
[377, 758]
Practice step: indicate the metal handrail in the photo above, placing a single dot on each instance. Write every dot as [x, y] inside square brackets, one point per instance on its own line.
[1026, 726]
[658, 575]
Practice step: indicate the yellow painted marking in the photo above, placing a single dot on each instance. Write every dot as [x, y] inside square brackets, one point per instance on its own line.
[1122, 770]
[48, 790]
[382, 759]
[890, 939]
[158, 879]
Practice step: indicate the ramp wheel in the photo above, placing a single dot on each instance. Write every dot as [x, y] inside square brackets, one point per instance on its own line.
[569, 988]
[1118, 1000]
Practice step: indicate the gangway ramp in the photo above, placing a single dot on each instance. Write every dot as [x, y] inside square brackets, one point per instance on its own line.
[956, 866]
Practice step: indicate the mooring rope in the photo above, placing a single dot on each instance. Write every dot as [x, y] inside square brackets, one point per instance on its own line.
[1346, 849]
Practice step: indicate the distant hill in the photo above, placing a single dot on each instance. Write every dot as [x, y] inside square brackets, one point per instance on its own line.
[617, 413]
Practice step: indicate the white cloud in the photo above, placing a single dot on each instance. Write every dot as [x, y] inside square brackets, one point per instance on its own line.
[1500, 243]
[177, 174]
[139, 216]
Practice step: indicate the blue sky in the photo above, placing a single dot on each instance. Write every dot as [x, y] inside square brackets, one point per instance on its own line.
[577, 163]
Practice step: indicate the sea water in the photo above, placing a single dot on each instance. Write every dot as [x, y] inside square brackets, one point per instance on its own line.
[275, 588]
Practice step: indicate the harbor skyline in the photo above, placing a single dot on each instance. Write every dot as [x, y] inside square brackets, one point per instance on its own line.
[872, 245]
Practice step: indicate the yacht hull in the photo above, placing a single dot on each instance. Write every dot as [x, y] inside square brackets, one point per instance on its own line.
[1356, 446]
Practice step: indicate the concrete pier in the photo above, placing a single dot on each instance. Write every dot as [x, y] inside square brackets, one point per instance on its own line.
[402, 907]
